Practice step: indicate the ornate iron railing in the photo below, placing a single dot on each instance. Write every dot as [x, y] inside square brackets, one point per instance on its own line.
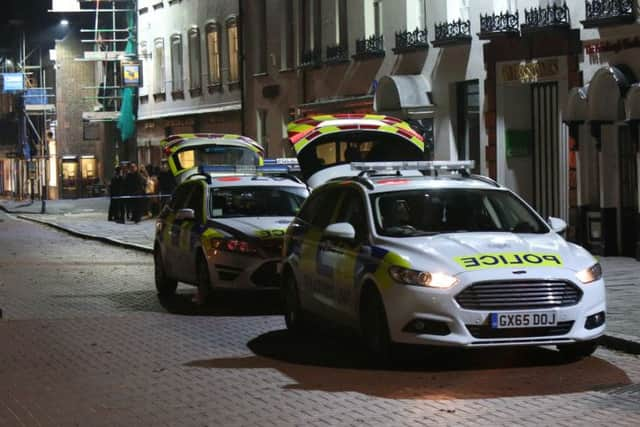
[545, 17]
[408, 41]
[311, 58]
[608, 12]
[454, 32]
[502, 23]
[370, 47]
[337, 53]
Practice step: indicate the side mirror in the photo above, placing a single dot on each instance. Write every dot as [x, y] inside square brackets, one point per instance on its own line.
[558, 225]
[340, 230]
[187, 214]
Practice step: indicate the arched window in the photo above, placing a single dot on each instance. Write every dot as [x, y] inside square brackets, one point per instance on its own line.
[213, 54]
[176, 63]
[195, 60]
[232, 41]
[159, 77]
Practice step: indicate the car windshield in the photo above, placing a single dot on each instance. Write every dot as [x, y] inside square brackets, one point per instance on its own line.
[230, 202]
[433, 211]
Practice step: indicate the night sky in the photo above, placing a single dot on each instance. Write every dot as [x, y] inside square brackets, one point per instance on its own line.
[40, 25]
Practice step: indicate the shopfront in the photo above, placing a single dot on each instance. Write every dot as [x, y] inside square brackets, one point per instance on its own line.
[79, 177]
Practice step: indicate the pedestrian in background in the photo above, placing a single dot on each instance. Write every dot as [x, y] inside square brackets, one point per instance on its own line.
[135, 185]
[116, 187]
[166, 182]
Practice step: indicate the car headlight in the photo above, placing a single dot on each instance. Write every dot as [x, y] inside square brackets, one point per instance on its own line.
[422, 278]
[590, 274]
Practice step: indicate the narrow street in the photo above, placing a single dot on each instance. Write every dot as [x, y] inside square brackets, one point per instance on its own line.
[85, 342]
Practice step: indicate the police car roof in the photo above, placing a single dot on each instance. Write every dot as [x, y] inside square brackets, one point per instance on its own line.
[255, 181]
[393, 182]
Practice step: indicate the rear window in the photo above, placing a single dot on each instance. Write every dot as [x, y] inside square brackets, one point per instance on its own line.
[346, 147]
[231, 202]
[216, 155]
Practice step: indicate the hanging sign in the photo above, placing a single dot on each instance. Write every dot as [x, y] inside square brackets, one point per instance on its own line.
[12, 82]
[131, 73]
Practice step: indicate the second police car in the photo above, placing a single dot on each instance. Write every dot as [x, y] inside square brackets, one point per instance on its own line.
[224, 227]
[427, 253]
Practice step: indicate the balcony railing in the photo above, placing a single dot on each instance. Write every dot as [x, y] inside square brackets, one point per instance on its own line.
[410, 41]
[311, 58]
[336, 54]
[369, 47]
[451, 33]
[504, 23]
[544, 18]
[601, 13]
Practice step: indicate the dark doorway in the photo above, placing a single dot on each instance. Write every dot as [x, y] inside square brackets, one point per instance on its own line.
[468, 129]
[628, 191]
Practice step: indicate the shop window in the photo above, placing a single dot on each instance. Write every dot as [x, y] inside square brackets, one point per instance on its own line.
[158, 67]
[232, 40]
[176, 64]
[213, 54]
[195, 62]
[88, 167]
[468, 121]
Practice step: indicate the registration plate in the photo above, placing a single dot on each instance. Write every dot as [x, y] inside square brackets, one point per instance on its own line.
[523, 320]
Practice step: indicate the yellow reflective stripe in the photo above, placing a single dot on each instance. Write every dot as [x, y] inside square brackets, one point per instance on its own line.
[383, 279]
[509, 260]
[207, 236]
[166, 233]
[418, 142]
[301, 144]
[276, 233]
[323, 117]
[388, 128]
[329, 129]
[172, 166]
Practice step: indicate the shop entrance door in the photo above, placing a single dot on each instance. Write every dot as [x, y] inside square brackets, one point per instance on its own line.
[546, 149]
[628, 192]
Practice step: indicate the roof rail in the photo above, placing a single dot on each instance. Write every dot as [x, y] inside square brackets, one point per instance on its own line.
[484, 179]
[360, 179]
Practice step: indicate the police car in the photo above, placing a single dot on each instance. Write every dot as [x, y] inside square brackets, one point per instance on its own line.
[427, 253]
[224, 228]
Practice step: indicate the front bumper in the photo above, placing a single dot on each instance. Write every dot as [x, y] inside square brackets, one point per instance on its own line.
[238, 271]
[449, 324]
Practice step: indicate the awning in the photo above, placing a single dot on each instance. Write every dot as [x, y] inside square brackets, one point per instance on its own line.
[607, 90]
[405, 96]
[632, 102]
[577, 108]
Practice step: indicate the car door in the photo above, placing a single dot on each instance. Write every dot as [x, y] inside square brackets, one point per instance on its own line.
[344, 254]
[189, 233]
[315, 274]
[171, 230]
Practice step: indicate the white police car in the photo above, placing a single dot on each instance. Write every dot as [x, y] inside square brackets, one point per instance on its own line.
[225, 231]
[426, 253]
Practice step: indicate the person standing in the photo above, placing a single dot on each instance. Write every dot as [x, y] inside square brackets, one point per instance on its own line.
[166, 182]
[116, 190]
[135, 185]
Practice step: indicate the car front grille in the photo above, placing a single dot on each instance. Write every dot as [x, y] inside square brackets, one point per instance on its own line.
[521, 295]
[486, 331]
[272, 248]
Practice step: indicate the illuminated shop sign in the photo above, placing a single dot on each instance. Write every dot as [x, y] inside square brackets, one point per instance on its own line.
[12, 82]
[531, 72]
[595, 47]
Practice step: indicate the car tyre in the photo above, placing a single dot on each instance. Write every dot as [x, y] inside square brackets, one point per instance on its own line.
[375, 328]
[294, 316]
[204, 280]
[165, 285]
[577, 351]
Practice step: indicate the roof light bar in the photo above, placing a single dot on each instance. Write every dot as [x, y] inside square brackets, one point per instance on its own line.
[437, 165]
[245, 169]
[290, 162]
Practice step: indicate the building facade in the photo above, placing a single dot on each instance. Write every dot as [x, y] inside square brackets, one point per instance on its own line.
[191, 71]
[508, 84]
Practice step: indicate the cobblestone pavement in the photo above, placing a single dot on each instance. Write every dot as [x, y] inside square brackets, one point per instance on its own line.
[84, 341]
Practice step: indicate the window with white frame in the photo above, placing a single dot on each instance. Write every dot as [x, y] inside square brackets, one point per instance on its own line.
[500, 6]
[342, 30]
[195, 59]
[457, 10]
[232, 48]
[213, 54]
[373, 18]
[416, 14]
[260, 36]
[176, 63]
[287, 39]
[159, 77]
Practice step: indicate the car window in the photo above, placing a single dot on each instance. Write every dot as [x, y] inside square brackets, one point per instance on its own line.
[352, 210]
[431, 211]
[180, 197]
[196, 201]
[229, 202]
